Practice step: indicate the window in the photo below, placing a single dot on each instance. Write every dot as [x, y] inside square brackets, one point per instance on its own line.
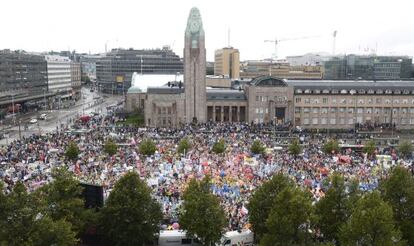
[370, 101]
[412, 110]
[350, 101]
[324, 100]
[307, 100]
[306, 110]
[361, 101]
[332, 121]
[388, 101]
[316, 101]
[315, 110]
[342, 110]
[360, 110]
[314, 121]
[378, 100]
[324, 121]
[267, 110]
[342, 121]
[350, 110]
[395, 110]
[405, 101]
[333, 110]
[350, 121]
[297, 110]
[298, 99]
[404, 110]
[412, 121]
[324, 110]
[257, 98]
[333, 100]
[257, 110]
[343, 101]
[306, 121]
[261, 110]
[368, 110]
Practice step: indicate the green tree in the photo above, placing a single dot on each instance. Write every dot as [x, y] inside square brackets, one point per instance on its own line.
[257, 147]
[131, 216]
[110, 147]
[261, 202]
[295, 148]
[72, 151]
[405, 149]
[201, 214]
[289, 219]
[184, 145]
[333, 210]
[219, 146]
[371, 223]
[331, 146]
[369, 148]
[398, 190]
[49, 232]
[147, 147]
[23, 223]
[62, 199]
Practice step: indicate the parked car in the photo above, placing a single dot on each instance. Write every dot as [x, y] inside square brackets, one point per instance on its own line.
[43, 116]
[33, 121]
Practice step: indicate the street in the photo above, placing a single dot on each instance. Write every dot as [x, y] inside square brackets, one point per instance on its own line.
[54, 118]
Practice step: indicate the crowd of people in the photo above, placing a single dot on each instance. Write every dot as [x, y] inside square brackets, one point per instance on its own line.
[235, 174]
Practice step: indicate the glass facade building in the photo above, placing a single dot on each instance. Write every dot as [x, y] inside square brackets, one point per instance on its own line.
[114, 71]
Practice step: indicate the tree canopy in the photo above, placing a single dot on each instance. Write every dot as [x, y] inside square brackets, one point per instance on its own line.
[289, 219]
[398, 190]
[184, 145]
[405, 149]
[261, 202]
[110, 147]
[147, 147]
[295, 148]
[219, 146]
[333, 209]
[72, 151]
[131, 216]
[257, 147]
[331, 146]
[371, 223]
[369, 148]
[201, 214]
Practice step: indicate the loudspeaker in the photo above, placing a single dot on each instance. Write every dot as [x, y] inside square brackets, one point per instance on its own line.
[93, 195]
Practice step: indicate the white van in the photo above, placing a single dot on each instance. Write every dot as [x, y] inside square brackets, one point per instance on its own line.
[179, 238]
[235, 238]
[175, 238]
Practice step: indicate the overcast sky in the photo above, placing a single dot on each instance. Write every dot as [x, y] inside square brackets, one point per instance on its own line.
[86, 25]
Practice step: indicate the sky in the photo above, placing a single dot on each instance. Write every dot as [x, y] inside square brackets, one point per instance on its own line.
[363, 26]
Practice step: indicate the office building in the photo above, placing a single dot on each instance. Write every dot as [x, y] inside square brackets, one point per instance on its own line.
[59, 79]
[368, 67]
[227, 63]
[75, 74]
[23, 78]
[114, 70]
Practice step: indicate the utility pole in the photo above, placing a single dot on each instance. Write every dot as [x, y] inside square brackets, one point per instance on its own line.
[20, 132]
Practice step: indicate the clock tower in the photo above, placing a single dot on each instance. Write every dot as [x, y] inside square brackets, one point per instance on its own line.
[195, 69]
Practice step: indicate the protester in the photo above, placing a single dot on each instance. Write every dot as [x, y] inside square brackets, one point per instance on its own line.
[235, 173]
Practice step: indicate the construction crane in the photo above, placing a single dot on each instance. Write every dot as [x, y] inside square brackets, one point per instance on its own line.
[276, 41]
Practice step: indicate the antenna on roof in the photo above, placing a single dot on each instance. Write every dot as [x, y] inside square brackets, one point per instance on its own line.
[228, 37]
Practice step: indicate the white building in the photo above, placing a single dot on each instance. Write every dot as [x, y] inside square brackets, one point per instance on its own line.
[59, 75]
[309, 59]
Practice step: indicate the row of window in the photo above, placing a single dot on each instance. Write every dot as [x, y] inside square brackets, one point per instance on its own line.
[325, 100]
[268, 98]
[299, 110]
[351, 121]
[353, 91]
